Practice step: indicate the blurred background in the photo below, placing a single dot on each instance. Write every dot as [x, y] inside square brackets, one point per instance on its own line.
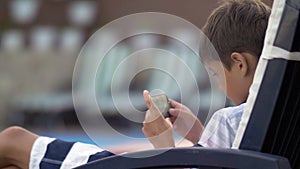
[41, 40]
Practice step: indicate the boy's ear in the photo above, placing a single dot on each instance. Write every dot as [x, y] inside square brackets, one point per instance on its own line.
[240, 62]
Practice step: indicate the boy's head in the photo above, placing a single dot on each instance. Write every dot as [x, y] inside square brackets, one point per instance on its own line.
[236, 29]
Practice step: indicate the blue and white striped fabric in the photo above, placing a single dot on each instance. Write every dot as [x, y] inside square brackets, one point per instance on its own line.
[221, 130]
[52, 153]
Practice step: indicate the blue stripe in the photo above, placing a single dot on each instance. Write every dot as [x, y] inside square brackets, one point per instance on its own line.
[197, 145]
[55, 154]
[100, 155]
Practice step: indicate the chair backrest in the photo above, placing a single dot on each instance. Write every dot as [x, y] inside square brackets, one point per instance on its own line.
[274, 100]
[270, 123]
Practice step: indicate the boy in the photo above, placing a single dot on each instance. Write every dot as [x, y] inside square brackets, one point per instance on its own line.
[236, 29]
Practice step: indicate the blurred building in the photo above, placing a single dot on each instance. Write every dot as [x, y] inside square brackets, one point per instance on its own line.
[40, 42]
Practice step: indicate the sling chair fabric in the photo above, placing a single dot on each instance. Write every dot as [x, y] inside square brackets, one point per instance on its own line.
[269, 133]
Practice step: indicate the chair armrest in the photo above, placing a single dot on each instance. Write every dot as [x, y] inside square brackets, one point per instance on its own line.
[192, 157]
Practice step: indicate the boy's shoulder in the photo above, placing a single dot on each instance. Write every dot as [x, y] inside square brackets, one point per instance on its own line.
[221, 129]
[230, 113]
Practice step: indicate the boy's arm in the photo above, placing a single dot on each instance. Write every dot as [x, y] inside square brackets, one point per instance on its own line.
[185, 123]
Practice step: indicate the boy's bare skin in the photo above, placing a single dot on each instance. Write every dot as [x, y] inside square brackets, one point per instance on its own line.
[235, 83]
[15, 147]
[16, 142]
[159, 130]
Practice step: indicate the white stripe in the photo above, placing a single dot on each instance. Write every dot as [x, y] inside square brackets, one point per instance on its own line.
[79, 154]
[273, 24]
[253, 91]
[38, 151]
[277, 52]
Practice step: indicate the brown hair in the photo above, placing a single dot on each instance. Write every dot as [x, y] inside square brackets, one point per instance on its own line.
[237, 26]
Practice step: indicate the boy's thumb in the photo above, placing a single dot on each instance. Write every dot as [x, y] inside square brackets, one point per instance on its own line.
[147, 98]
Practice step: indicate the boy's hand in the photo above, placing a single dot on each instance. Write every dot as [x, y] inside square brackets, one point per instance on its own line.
[185, 123]
[156, 128]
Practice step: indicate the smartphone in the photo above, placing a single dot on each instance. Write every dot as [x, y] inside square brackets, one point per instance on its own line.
[163, 104]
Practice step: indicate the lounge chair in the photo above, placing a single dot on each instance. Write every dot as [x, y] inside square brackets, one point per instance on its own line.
[269, 133]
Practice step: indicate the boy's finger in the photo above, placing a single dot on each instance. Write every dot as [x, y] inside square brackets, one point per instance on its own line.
[153, 113]
[169, 121]
[147, 98]
[174, 112]
[172, 119]
[175, 104]
[153, 108]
